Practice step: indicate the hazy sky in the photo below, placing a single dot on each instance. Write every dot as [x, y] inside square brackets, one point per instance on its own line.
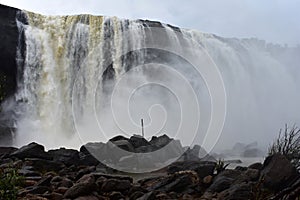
[276, 21]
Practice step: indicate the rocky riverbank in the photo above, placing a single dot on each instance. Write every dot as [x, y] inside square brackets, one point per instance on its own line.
[71, 174]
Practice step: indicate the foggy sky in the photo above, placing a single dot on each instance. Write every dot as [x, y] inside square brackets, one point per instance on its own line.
[275, 21]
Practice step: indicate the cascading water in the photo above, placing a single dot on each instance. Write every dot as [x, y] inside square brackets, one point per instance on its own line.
[72, 64]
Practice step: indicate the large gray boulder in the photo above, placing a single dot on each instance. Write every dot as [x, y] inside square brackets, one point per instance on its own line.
[278, 172]
[32, 150]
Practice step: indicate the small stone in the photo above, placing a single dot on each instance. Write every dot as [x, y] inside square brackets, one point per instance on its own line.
[207, 179]
[115, 185]
[61, 190]
[116, 196]
[28, 183]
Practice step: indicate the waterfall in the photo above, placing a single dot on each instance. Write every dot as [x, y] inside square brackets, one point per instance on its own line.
[72, 65]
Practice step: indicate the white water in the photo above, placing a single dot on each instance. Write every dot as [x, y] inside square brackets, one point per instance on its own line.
[64, 96]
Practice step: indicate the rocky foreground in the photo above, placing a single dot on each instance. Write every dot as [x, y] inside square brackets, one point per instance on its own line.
[71, 174]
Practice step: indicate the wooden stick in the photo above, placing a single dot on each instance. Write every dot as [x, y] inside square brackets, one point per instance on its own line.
[142, 122]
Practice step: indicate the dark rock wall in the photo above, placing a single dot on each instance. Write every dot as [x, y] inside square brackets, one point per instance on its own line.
[9, 36]
[10, 39]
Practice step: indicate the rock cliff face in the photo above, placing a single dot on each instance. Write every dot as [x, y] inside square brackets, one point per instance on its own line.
[9, 36]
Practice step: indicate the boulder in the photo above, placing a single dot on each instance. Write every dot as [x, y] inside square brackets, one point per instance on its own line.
[82, 188]
[88, 160]
[136, 195]
[42, 165]
[149, 196]
[220, 184]
[257, 166]
[159, 142]
[237, 192]
[278, 172]
[88, 197]
[203, 168]
[115, 185]
[116, 196]
[125, 145]
[138, 141]
[7, 150]
[67, 156]
[32, 150]
[178, 182]
[224, 180]
[38, 189]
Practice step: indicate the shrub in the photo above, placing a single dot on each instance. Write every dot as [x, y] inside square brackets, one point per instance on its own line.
[288, 144]
[220, 166]
[9, 182]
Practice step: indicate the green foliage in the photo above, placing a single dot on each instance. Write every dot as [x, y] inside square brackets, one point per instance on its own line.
[9, 183]
[288, 144]
[221, 166]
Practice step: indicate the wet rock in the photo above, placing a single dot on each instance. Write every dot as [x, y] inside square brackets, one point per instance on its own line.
[178, 182]
[55, 180]
[125, 145]
[91, 151]
[61, 190]
[162, 196]
[88, 197]
[208, 196]
[65, 182]
[109, 176]
[7, 150]
[220, 184]
[32, 150]
[135, 188]
[43, 165]
[84, 186]
[240, 168]
[138, 141]
[115, 185]
[237, 192]
[253, 174]
[149, 196]
[224, 180]
[116, 196]
[159, 142]
[88, 160]
[86, 170]
[118, 138]
[257, 166]
[202, 168]
[45, 181]
[67, 156]
[136, 195]
[79, 189]
[186, 197]
[207, 180]
[28, 183]
[9, 37]
[28, 173]
[56, 196]
[235, 161]
[38, 189]
[88, 178]
[278, 172]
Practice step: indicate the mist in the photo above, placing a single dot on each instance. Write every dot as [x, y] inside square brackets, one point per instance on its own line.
[89, 78]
